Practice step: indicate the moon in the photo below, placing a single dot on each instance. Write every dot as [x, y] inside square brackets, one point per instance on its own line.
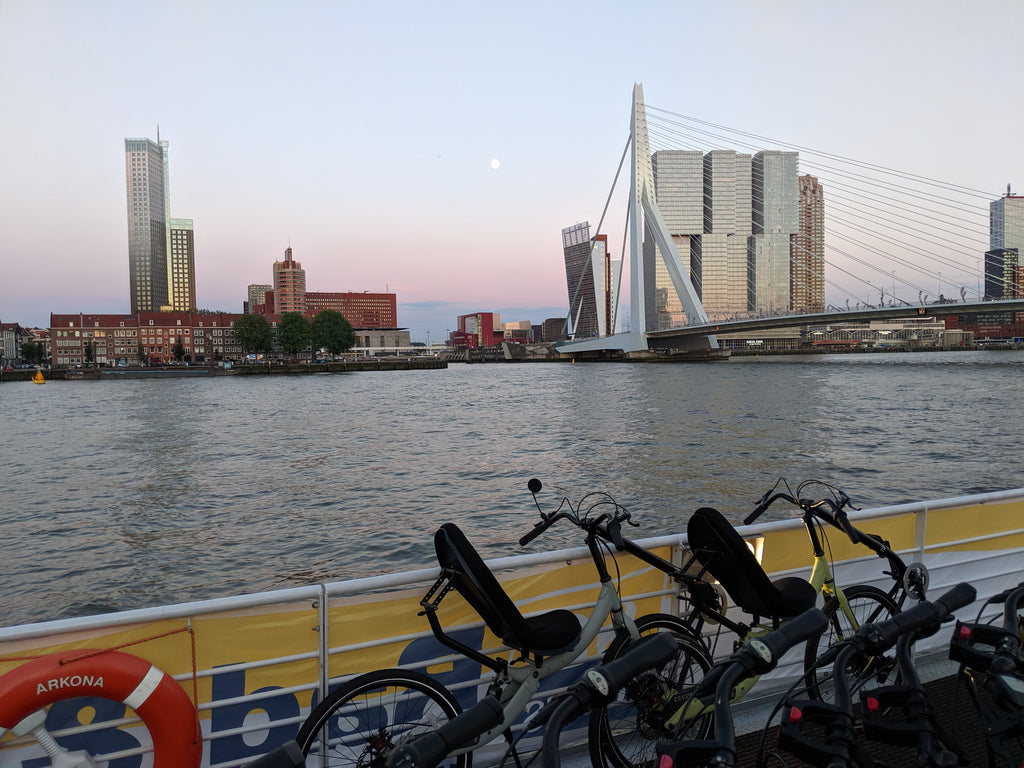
[495, 163]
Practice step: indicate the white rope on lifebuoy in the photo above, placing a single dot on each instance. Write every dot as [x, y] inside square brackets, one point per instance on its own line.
[157, 699]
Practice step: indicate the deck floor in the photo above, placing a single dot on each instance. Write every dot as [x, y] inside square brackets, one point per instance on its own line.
[953, 708]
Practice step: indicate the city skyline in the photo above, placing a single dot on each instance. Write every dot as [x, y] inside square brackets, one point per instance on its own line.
[367, 145]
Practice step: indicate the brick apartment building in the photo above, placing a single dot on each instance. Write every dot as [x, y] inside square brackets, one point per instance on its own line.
[148, 337]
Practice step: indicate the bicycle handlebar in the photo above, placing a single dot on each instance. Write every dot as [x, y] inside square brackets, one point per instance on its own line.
[430, 749]
[648, 653]
[537, 530]
[761, 654]
[612, 530]
[599, 685]
[921, 620]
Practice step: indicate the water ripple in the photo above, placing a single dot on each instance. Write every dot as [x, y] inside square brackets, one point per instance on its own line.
[125, 494]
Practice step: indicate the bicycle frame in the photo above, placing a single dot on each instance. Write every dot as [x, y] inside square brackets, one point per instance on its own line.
[515, 684]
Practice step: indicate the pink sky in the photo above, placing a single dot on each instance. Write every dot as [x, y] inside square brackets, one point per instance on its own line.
[362, 135]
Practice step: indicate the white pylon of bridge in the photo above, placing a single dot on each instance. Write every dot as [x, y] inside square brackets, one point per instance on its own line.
[641, 198]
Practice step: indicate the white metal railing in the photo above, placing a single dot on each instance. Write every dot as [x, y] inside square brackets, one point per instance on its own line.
[990, 568]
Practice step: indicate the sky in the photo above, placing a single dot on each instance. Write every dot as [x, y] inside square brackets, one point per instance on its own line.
[366, 135]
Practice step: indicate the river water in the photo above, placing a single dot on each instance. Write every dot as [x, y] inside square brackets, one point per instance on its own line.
[125, 494]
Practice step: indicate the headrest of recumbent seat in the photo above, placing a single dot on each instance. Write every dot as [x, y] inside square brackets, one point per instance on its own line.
[725, 554]
[477, 584]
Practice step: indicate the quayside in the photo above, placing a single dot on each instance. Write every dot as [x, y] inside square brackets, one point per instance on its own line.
[255, 663]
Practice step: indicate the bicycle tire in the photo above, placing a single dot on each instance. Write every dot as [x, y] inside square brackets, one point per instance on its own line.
[868, 604]
[362, 721]
[625, 736]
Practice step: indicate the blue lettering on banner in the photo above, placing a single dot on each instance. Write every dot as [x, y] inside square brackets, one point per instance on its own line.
[230, 685]
[463, 669]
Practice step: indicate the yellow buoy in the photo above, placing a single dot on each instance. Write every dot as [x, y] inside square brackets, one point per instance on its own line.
[38, 378]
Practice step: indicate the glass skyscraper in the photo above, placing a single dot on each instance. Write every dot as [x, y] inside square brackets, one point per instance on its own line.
[161, 250]
[1004, 270]
[148, 220]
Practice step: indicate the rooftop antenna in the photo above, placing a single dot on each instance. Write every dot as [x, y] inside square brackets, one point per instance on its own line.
[158, 133]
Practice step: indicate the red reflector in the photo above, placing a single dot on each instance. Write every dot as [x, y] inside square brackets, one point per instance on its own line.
[872, 704]
[965, 631]
[666, 762]
[795, 715]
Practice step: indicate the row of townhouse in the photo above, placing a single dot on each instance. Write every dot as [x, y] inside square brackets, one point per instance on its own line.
[147, 337]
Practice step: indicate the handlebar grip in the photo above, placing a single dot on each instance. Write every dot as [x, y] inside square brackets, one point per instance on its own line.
[808, 624]
[918, 619]
[288, 755]
[650, 652]
[959, 596]
[758, 511]
[430, 749]
[534, 532]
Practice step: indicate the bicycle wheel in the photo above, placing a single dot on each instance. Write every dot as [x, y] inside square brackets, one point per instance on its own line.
[626, 732]
[867, 604]
[363, 721]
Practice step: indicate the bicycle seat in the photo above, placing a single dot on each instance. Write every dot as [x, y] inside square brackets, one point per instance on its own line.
[546, 634]
[726, 556]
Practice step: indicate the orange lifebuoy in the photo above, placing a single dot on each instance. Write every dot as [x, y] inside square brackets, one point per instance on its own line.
[162, 704]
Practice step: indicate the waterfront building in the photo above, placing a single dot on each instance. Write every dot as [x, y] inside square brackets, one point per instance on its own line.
[145, 337]
[181, 267]
[580, 280]
[775, 222]
[161, 250]
[1004, 274]
[552, 329]
[10, 334]
[519, 331]
[725, 284]
[1003, 268]
[289, 285]
[148, 218]
[257, 297]
[1006, 222]
[679, 192]
[479, 329]
[363, 310]
[807, 267]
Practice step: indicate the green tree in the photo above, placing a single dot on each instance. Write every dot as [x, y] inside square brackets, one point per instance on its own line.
[90, 352]
[141, 352]
[294, 332]
[32, 352]
[178, 350]
[332, 332]
[254, 333]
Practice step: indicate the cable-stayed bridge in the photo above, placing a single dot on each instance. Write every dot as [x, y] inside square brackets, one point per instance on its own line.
[888, 239]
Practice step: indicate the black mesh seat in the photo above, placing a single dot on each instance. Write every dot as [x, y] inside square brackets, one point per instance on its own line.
[725, 554]
[547, 634]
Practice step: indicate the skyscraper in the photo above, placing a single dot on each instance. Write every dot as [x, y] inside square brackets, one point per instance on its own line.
[734, 218]
[775, 221]
[807, 267]
[181, 267]
[580, 280]
[161, 250]
[148, 218]
[679, 191]
[1004, 272]
[258, 296]
[725, 286]
[289, 285]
